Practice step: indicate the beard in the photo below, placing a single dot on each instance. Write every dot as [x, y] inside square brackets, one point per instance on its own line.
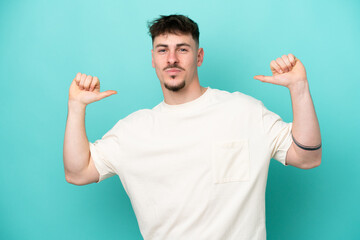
[176, 87]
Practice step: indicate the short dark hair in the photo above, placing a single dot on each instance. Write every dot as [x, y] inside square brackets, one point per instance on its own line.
[175, 24]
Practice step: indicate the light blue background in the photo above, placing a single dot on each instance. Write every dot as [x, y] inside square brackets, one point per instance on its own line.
[43, 44]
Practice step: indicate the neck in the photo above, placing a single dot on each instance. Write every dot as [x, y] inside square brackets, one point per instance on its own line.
[184, 95]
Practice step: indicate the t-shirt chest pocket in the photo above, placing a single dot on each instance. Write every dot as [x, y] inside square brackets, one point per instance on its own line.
[230, 161]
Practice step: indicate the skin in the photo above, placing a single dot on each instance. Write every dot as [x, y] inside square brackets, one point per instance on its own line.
[176, 58]
[288, 71]
[78, 164]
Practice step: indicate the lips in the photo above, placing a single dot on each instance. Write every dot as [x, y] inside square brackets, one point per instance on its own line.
[172, 70]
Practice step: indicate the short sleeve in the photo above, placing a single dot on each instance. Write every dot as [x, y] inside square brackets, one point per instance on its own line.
[278, 134]
[104, 153]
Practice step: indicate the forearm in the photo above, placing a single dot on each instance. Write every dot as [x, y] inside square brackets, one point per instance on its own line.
[76, 152]
[305, 127]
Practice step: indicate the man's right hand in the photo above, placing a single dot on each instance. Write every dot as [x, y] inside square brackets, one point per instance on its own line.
[85, 89]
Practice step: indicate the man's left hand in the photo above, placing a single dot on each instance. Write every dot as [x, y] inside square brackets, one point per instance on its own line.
[287, 71]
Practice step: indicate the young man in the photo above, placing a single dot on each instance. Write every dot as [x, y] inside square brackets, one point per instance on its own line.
[195, 166]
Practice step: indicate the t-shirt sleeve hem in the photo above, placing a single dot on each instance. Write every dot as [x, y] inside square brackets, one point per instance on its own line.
[98, 161]
[280, 155]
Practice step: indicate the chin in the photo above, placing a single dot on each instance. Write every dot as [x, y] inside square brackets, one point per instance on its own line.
[175, 87]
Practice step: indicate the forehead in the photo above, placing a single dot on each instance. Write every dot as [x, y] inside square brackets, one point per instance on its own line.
[173, 39]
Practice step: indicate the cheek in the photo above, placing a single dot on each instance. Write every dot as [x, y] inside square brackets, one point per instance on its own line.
[191, 63]
[158, 62]
[194, 60]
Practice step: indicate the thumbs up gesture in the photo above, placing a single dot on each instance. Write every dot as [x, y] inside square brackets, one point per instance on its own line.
[286, 71]
[85, 89]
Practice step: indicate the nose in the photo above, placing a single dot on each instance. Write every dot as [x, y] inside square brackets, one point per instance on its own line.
[172, 57]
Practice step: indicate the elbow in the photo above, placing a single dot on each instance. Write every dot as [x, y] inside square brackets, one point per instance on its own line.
[311, 160]
[72, 180]
[69, 180]
[312, 163]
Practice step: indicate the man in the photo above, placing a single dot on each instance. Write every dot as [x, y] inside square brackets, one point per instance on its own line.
[195, 166]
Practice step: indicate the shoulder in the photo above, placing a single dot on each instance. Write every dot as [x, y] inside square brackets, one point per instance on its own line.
[237, 98]
[139, 116]
[135, 122]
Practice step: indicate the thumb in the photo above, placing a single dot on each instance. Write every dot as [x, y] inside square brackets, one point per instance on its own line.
[268, 79]
[105, 94]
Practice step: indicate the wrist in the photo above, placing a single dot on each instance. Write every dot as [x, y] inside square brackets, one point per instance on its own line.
[299, 88]
[76, 106]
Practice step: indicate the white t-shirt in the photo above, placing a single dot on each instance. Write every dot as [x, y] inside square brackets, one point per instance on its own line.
[196, 170]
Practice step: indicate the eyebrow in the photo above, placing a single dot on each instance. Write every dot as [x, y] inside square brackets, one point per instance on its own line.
[177, 45]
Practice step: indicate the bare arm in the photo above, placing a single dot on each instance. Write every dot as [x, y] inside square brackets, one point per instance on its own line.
[306, 130]
[288, 71]
[78, 165]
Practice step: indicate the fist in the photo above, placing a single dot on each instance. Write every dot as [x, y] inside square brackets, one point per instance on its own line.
[287, 71]
[85, 89]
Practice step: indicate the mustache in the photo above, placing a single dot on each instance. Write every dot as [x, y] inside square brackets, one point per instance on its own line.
[174, 66]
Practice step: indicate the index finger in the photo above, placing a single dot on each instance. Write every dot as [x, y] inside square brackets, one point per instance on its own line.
[292, 59]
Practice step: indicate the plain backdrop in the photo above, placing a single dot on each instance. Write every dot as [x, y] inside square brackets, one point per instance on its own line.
[43, 44]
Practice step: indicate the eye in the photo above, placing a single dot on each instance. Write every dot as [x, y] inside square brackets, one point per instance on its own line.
[161, 50]
[183, 50]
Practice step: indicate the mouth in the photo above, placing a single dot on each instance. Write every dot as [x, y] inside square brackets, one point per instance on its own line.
[173, 70]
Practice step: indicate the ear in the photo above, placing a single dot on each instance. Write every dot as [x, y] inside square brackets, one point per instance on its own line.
[152, 58]
[200, 56]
